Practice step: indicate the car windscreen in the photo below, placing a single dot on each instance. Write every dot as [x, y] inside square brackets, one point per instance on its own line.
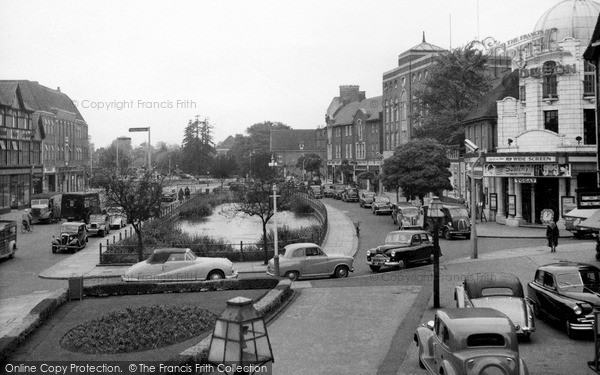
[485, 339]
[380, 199]
[497, 291]
[458, 211]
[579, 282]
[410, 211]
[401, 238]
[69, 228]
[39, 202]
[96, 218]
[159, 257]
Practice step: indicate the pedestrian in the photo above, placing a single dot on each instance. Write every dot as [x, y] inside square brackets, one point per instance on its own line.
[552, 236]
[180, 195]
[187, 192]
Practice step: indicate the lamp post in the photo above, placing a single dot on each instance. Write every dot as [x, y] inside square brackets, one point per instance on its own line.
[474, 209]
[120, 139]
[435, 212]
[240, 341]
[207, 176]
[275, 240]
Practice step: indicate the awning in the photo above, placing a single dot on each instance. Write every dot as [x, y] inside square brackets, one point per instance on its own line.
[582, 213]
[593, 222]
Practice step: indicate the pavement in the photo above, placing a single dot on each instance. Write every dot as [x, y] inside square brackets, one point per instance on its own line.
[324, 314]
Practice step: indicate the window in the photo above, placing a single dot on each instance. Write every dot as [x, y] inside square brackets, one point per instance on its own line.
[522, 92]
[589, 127]
[551, 121]
[359, 129]
[485, 339]
[549, 84]
[589, 88]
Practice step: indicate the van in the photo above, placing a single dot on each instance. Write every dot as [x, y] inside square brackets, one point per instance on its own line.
[46, 207]
[78, 206]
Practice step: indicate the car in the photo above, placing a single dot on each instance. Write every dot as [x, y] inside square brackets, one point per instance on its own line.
[117, 220]
[381, 205]
[350, 194]
[567, 293]
[98, 225]
[365, 198]
[455, 222]
[305, 260]
[402, 247]
[315, 191]
[168, 197]
[328, 190]
[469, 341]
[73, 237]
[338, 190]
[500, 291]
[407, 216]
[179, 264]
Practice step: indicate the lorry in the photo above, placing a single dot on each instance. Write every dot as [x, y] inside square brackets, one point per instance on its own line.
[46, 207]
[78, 206]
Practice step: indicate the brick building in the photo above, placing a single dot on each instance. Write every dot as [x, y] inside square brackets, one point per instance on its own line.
[289, 145]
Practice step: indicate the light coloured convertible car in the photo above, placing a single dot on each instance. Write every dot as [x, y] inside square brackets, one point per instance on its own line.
[500, 291]
[179, 264]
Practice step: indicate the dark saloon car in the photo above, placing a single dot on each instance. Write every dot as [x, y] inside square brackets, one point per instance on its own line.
[474, 341]
[338, 190]
[402, 247]
[73, 237]
[328, 190]
[350, 194]
[315, 191]
[381, 205]
[568, 293]
[455, 222]
[365, 198]
[500, 291]
[407, 216]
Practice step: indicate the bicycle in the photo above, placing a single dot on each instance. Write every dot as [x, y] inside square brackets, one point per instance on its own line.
[25, 228]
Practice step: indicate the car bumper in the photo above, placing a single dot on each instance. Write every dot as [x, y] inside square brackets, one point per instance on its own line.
[584, 323]
[93, 231]
[383, 210]
[383, 263]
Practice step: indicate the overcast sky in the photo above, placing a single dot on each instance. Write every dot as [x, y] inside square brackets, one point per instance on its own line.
[161, 63]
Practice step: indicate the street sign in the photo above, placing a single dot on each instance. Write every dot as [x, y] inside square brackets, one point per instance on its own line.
[139, 129]
[525, 180]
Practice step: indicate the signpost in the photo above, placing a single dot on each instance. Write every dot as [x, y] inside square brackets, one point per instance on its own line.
[146, 129]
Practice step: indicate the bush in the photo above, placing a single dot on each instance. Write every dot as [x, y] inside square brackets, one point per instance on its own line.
[201, 206]
[300, 207]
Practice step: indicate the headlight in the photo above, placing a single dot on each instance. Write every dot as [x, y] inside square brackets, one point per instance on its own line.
[577, 310]
[393, 254]
[368, 253]
[450, 224]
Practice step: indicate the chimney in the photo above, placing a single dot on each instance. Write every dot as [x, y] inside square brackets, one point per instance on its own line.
[58, 89]
[351, 93]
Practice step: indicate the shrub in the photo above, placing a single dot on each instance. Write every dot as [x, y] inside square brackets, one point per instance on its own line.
[300, 207]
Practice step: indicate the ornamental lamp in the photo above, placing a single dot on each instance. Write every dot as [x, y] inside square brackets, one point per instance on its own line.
[240, 336]
[435, 208]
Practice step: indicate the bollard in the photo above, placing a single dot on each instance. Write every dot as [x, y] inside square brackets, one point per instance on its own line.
[100, 253]
[120, 237]
[75, 287]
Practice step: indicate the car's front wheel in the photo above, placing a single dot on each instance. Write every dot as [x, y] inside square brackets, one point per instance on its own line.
[215, 275]
[401, 264]
[101, 233]
[341, 271]
[54, 250]
[292, 275]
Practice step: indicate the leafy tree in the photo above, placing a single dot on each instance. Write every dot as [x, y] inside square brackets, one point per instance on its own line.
[312, 163]
[344, 170]
[370, 176]
[138, 197]
[418, 167]
[456, 84]
[258, 201]
[223, 168]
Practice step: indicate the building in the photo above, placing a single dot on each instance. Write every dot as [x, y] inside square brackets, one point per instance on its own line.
[20, 149]
[223, 147]
[545, 146]
[290, 145]
[63, 135]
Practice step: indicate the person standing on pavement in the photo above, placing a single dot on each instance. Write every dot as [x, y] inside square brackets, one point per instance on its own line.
[552, 236]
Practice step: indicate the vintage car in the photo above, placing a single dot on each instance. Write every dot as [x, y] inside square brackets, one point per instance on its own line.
[455, 222]
[98, 225]
[117, 220]
[73, 237]
[179, 264]
[500, 291]
[315, 191]
[407, 216]
[568, 293]
[381, 205]
[45, 207]
[365, 198]
[328, 190]
[350, 194]
[338, 190]
[469, 341]
[576, 216]
[304, 260]
[402, 247]
[8, 238]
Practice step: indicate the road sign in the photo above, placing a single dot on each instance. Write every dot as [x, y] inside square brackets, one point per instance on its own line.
[139, 129]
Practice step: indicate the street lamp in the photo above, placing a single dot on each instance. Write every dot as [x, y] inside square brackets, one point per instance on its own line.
[435, 212]
[276, 244]
[240, 340]
[207, 175]
[120, 139]
[473, 148]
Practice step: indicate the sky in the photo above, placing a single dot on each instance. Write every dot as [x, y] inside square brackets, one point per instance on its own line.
[159, 64]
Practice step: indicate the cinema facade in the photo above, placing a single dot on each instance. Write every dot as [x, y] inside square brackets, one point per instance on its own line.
[544, 138]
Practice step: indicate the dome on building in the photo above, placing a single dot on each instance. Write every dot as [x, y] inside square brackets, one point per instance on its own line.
[572, 18]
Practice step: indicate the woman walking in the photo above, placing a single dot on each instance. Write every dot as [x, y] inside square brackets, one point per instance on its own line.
[552, 236]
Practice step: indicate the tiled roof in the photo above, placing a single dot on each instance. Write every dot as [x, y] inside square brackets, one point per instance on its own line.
[502, 87]
[371, 106]
[227, 143]
[42, 98]
[291, 139]
[334, 107]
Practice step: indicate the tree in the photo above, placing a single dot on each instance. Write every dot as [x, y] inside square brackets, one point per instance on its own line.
[258, 201]
[456, 85]
[370, 176]
[344, 169]
[138, 197]
[198, 149]
[223, 168]
[311, 162]
[418, 167]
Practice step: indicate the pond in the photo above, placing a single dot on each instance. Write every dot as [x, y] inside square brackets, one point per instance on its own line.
[231, 226]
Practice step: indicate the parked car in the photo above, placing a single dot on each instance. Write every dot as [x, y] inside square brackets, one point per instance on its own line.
[500, 291]
[407, 216]
[381, 205]
[469, 341]
[338, 190]
[575, 216]
[73, 237]
[365, 198]
[328, 190]
[350, 194]
[179, 264]
[117, 219]
[400, 248]
[8, 238]
[98, 225]
[567, 293]
[304, 260]
[315, 192]
[455, 222]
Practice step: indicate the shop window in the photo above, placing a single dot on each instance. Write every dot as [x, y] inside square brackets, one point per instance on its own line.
[550, 82]
[589, 127]
[551, 121]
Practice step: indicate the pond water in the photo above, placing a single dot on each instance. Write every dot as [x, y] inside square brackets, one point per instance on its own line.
[231, 226]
